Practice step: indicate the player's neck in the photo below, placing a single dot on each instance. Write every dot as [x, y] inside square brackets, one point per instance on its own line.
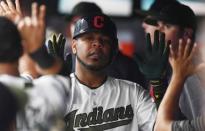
[9, 68]
[91, 79]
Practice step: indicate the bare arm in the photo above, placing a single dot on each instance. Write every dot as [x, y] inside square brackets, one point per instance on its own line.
[182, 66]
[32, 30]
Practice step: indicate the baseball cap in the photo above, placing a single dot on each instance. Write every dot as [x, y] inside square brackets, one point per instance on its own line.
[96, 23]
[154, 10]
[178, 14]
[83, 9]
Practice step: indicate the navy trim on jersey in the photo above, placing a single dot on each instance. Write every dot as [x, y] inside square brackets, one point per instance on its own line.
[89, 86]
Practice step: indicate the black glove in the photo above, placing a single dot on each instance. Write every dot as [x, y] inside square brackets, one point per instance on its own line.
[56, 48]
[153, 64]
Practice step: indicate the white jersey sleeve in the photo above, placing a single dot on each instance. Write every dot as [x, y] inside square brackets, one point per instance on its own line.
[47, 95]
[146, 110]
[46, 103]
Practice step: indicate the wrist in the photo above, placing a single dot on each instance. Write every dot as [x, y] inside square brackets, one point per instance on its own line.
[178, 76]
[157, 89]
[33, 45]
[158, 82]
[42, 57]
[177, 81]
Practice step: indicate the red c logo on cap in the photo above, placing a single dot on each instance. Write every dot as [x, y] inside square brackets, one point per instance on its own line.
[98, 21]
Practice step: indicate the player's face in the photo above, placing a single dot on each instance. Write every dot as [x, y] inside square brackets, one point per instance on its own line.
[93, 51]
[172, 32]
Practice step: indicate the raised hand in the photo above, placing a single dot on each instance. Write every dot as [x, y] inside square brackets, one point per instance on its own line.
[56, 45]
[56, 48]
[153, 63]
[32, 29]
[182, 60]
[11, 11]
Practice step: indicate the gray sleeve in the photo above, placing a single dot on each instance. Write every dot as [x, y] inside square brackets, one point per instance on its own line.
[46, 103]
[189, 125]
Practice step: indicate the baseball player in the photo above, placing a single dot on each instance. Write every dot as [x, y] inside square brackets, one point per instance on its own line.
[183, 67]
[46, 94]
[96, 101]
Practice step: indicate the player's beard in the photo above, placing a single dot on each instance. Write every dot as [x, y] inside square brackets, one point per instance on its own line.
[93, 67]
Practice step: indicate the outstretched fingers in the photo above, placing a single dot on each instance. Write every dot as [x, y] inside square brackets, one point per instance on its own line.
[42, 13]
[4, 6]
[188, 48]
[180, 51]
[11, 10]
[38, 15]
[1, 11]
[156, 40]
[192, 51]
[167, 49]
[148, 43]
[11, 5]
[162, 44]
[34, 13]
[33, 28]
[18, 7]
[172, 53]
[41, 16]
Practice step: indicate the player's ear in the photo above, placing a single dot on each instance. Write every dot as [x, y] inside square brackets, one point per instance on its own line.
[74, 43]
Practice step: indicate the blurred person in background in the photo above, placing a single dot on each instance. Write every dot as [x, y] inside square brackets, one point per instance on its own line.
[182, 67]
[26, 64]
[149, 25]
[41, 109]
[46, 94]
[176, 24]
[181, 23]
[153, 66]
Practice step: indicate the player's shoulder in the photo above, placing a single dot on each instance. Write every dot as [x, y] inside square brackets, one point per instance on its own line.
[127, 86]
[52, 76]
[52, 79]
[124, 83]
[13, 81]
[10, 77]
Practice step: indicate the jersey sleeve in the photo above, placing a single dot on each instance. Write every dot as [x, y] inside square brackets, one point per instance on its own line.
[46, 103]
[146, 110]
[189, 125]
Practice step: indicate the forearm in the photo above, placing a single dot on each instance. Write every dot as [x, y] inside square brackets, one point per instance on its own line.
[46, 64]
[169, 103]
[55, 68]
[171, 98]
